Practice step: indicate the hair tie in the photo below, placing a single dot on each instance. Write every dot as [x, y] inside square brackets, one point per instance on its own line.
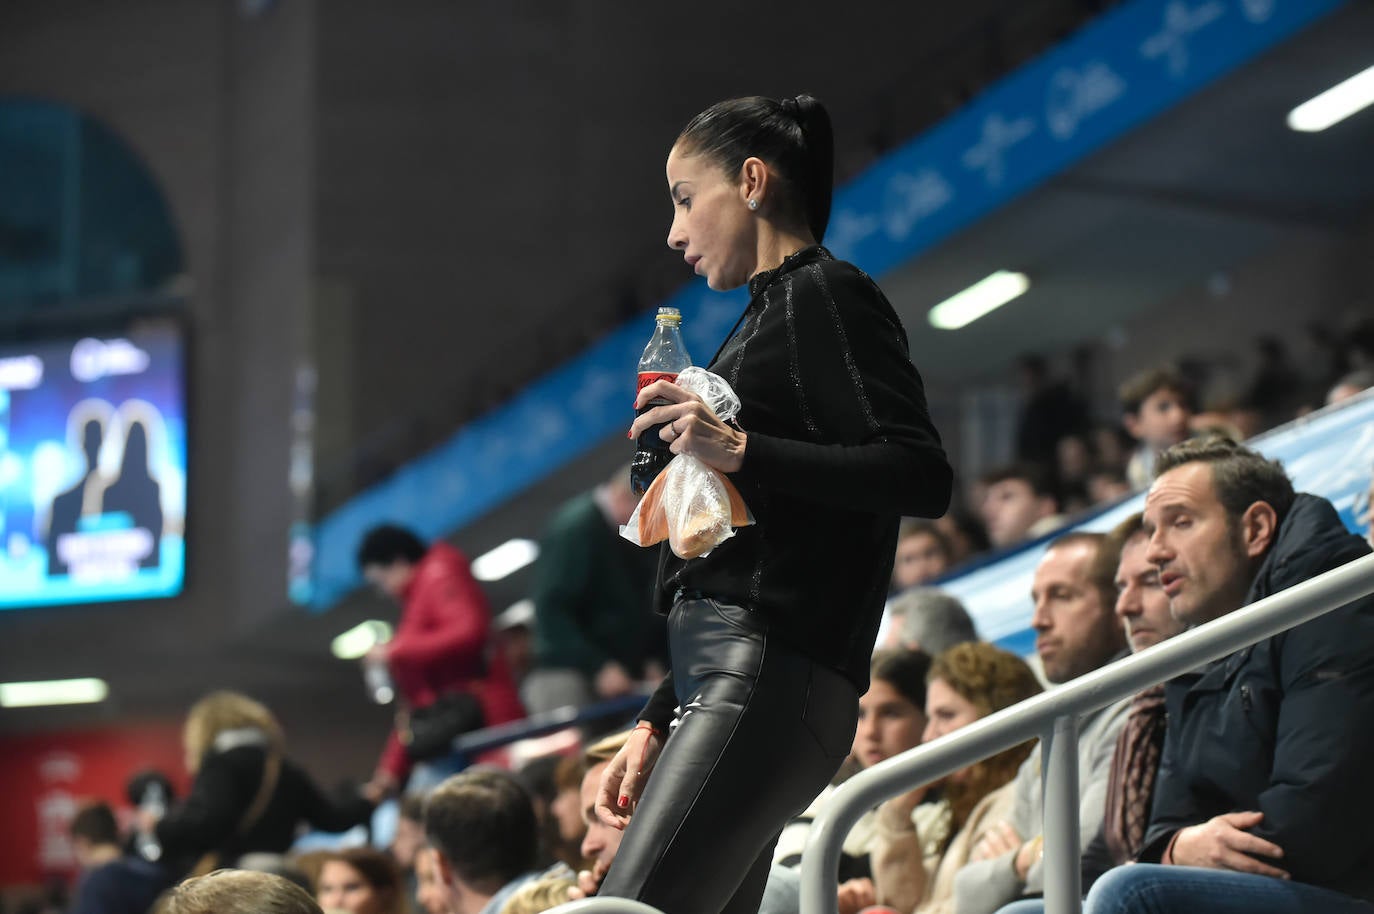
[790, 108]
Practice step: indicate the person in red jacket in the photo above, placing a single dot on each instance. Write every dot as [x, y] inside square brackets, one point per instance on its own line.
[442, 640]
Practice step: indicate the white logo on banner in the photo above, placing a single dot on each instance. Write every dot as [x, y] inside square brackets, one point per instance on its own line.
[910, 198]
[990, 154]
[1181, 22]
[1076, 95]
[1258, 11]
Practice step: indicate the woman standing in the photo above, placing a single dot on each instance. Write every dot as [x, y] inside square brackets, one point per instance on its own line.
[771, 634]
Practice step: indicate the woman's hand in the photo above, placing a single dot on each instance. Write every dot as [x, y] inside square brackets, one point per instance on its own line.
[998, 840]
[622, 782]
[856, 894]
[692, 429]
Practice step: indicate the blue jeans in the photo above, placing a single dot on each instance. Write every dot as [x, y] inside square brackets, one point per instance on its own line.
[1147, 888]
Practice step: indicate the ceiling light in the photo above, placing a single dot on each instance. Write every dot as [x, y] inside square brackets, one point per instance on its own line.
[360, 639]
[1335, 104]
[978, 299]
[52, 692]
[507, 558]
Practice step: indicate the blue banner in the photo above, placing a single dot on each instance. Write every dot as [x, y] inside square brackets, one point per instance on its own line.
[1112, 76]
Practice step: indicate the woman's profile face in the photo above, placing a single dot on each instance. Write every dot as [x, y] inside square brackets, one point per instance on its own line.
[946, 710]
[712, 226]
[342, 888]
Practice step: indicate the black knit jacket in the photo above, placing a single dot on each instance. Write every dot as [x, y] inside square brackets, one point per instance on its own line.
[840, 447]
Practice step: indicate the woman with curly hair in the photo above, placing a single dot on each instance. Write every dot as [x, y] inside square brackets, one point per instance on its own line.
[914, 859]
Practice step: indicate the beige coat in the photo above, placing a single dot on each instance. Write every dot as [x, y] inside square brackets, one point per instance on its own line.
[909, 875]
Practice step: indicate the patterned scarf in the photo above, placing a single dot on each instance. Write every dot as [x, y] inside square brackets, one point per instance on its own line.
[1131, 784]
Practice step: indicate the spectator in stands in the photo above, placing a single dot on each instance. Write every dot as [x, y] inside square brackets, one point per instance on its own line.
[239, 892]
[923, 554]
[482, 824]
[246, 796]
[432, 893]
[1107, 485]
[966, 534]
[95, 836]
[1263, 798]
[565, 827]
[1143, 609]
[439, 658]
[1052, 410]
[1074, 595]
[928, 619]
[1350, 384]
[915, 858]
[1156, 407]
[361, 880]
[1019, 504]
[601, 841]
[409, 839]
[513, 631]
[543, 894]
[109, 884]
[891, 721]
[594, 625]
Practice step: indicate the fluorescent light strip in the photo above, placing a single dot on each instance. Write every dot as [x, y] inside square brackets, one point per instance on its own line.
[52, 692]
[360, 639]
[1335, 104]
[984, 296]
[505, 559]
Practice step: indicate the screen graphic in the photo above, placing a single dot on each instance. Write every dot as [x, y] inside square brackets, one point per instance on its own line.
[93, 468]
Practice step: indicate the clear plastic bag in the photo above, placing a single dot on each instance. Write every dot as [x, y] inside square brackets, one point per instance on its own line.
[694, 507]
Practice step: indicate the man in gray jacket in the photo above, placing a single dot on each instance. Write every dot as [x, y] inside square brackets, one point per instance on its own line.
[1076, 632]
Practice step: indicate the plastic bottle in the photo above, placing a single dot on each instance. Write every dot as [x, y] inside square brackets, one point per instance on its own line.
[663, 358]
[153, 805]
[378, 679]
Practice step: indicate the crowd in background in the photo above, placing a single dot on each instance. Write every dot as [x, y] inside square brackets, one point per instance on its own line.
[475, 838]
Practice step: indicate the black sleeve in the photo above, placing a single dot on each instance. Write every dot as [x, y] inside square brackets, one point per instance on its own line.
[321, 811]
[661, 706]
[856, 385]
[211, 812]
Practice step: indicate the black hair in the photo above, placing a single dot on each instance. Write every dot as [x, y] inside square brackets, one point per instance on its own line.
[905, 670]
[1240, 475]
[792, 135]
[96, 823]
[1032, 474]
[386, 543]
[483, 822]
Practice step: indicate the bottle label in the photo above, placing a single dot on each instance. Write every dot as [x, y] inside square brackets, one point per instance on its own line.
[648, 377]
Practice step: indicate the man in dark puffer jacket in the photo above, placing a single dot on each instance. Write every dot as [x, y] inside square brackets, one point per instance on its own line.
[1264, 798]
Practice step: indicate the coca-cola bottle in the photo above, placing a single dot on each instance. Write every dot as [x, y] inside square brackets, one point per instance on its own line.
[663, 358]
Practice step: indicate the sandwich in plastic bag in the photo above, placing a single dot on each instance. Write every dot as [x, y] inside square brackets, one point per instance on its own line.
[694, 507]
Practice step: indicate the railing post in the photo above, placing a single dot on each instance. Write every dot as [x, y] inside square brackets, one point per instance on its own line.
[1059, 761]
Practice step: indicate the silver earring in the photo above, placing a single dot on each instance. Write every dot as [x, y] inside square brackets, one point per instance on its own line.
[753, 204]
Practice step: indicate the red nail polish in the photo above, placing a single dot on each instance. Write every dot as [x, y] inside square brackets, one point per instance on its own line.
[624, 802]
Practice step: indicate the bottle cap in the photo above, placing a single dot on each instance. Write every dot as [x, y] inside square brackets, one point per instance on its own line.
[669, 315]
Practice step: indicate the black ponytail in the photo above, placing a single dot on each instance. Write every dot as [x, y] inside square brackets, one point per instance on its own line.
[792, 135]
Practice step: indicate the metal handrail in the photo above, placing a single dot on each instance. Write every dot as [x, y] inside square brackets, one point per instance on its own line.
[1053, 717]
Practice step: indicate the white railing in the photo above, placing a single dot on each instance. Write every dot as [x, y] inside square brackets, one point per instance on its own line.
[1053, 717]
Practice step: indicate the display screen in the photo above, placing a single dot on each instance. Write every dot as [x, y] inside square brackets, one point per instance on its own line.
[93, 467]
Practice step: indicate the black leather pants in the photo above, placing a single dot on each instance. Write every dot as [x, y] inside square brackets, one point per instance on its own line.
[760, 731]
